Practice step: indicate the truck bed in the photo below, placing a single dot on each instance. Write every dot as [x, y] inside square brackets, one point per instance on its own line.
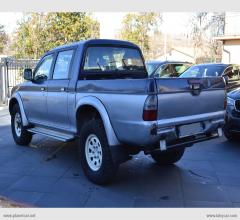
[180, 101]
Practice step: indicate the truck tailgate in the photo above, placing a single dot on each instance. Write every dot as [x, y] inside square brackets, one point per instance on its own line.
[187, 98]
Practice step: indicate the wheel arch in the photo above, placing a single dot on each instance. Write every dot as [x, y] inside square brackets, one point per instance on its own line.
[16, 99]
[92, 107]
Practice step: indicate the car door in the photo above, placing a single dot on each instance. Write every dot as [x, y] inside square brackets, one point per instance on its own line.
[57, 91]
[34, 94]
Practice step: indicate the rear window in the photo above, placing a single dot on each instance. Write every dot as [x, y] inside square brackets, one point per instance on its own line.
[113, 59]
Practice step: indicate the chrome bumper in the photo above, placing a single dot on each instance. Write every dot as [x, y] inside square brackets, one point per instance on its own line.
[168, 130]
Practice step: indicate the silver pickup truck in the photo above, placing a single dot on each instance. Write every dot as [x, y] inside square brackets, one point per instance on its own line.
[98, 92]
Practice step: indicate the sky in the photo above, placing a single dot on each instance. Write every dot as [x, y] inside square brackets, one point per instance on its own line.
[9, 20]
[110, 22]
[173, 22]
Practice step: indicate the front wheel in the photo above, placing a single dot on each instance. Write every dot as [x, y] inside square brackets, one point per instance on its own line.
[95, 155]
[20, 134]
[169, 156]
[230, 135]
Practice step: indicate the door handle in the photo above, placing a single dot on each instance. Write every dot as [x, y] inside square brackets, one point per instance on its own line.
[63, 89]
[43, 88]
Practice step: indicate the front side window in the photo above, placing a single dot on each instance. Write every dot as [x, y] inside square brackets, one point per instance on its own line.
[232, 72]
[163, 71]
[113, 59]
[62, 66]
[43, 71]
[180, 68]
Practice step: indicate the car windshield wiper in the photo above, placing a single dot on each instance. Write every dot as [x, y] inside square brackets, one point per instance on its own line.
[100, 68]
[124, 64]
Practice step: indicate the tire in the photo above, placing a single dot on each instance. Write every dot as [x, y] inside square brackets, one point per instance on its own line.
[20, 134]
[95, 155]
[230, 135]
[168, 157]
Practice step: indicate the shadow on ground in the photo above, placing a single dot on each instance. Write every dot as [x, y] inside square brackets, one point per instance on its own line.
[48, 174]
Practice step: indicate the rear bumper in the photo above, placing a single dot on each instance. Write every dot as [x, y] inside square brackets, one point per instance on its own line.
[171, 133]
[211, 117]
[168, 129]
[147, 134]
[169, 137]
[186, 142]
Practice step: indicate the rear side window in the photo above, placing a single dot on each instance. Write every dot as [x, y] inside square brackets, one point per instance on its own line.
[62, 66]
[113, 59]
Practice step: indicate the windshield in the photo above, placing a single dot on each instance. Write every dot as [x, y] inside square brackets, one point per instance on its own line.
[203, 71]
[151, 67]
[113, 59]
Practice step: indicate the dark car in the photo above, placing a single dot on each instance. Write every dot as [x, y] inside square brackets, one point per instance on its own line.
[232, 126]
[157, 68]
[230, 72]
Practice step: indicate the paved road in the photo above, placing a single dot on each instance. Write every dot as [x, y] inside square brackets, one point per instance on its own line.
[207, 176]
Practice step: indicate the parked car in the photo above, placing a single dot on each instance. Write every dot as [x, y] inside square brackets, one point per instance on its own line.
[158, 69]
[232, 126]
[98, 92]
[229, 72]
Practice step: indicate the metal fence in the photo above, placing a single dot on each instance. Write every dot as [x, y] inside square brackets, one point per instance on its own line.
[11, 74]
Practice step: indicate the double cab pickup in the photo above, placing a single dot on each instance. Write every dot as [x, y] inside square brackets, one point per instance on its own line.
[98, 92]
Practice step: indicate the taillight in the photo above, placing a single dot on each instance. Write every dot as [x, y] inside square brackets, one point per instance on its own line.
[150, 108]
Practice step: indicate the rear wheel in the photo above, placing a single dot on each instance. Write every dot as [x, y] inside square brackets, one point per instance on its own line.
[20, 134]
[169, 156]
[95, 154]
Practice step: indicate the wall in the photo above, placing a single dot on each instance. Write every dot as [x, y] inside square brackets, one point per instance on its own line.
[234, 54]
[232, 24]
[177, 56]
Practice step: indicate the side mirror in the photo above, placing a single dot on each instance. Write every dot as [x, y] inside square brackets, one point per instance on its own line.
[27, 74]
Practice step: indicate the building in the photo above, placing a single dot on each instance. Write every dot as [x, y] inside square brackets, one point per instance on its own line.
[231, 38]
[185, 54]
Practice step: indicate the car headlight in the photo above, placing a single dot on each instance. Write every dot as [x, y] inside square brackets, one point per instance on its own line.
[230, 102]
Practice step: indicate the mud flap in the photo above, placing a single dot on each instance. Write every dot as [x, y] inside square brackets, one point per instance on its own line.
[119, 154]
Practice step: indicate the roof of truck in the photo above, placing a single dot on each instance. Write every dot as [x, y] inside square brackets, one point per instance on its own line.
[95, 42]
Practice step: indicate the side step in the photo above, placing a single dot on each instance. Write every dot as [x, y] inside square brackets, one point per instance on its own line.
[52, 133]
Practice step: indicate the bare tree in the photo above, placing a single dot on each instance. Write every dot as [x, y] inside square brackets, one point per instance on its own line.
[206, 26]
[217, 28]
[200, 26]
